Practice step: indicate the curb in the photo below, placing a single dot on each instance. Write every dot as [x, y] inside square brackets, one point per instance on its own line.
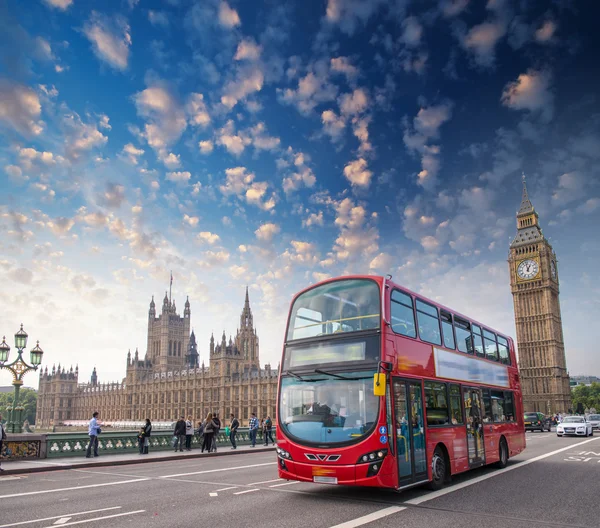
[133, 461]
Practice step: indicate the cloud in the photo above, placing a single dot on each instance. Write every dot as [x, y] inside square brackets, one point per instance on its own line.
[248, 50]
[412, 30]
[545, 32]
[132, 153]
[179, 177]
[451, 8]
[354, 103]
[206, 147]
[343, 65]
[15, 174]
[208, 237]
[81, 137]
[333, 125]
[313, 219]
[248, 80]
[589, 206]
[197, 110]
[192, 221]
[313, 89]
[60, 226]
[349, 14]
[234, 143]
[110, 38]
[382, 263]
[357, 173]
[20, 108]
[59, 4]
[241, 183]
[228, 17]
[297, 172]
[481, 41]
[266, 232]
[21, 275]
[531, 91]
[114, 195]
[158, 18]
[211, 259]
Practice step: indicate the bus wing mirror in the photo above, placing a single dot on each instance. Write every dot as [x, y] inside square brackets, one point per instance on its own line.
[379, 384]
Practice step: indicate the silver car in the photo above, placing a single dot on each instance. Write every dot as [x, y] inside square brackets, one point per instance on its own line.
[574, 425]
[594, 419]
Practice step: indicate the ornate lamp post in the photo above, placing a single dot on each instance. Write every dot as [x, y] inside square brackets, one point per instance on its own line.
[19, 367]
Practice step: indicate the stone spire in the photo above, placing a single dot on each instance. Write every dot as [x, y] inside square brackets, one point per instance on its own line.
[526, 205]
[246, 317]
[528, 227]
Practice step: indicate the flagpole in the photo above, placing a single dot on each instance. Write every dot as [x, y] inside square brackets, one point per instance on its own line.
[170, 287]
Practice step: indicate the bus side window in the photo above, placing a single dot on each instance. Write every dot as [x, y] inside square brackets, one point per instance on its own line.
[487, 404]
[456, 414]
[403, 315]
[509, 406]
[491, 348]
[429, 323]
[463, 335]
[477, 340]
[503, 350]
[447, 329]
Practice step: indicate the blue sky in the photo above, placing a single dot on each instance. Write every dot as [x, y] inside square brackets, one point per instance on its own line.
[275, 144]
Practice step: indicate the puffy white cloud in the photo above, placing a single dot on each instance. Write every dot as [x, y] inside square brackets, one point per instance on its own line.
[333, 125]
[170, 160]
[228, 137]
[237, 181]
[15, 174]
[29, 155]
[114, 195]
[313, 89]
[241, 183]
[179, 176]
[210, 259]
[261, 140]
[343, 65]
[361, 131]
[546, 31]
[247, 49]
[110, 38]
[192, 221]
[589, 206]
[531, 91]
[248, 80]
[349, 14]
[451, 8]
[354, 103]
[197, 110]
[357, 173]
[206, 147]
[412, 30]
[481, 41]
[208, 237]
[314, 219]
[81, 137]
[132, 153]
[571, 186]
[228, 17]
[20, 108]
[267, 231]
[60, 226]
[382, 263]
[297, 172]
[59, 4]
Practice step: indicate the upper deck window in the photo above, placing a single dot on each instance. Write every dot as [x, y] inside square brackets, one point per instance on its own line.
[342, 306]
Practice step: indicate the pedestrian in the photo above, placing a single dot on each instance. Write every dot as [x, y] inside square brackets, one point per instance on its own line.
[209, 428]
[268, 428]
[179, 434]
[144, 437]
[216, 432]
[93, 432]
[189, 433]
[253, 429]
[233, 427]
[2, 438]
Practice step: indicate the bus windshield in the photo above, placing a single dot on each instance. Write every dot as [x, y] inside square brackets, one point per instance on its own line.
[346, 305]
[325, 407]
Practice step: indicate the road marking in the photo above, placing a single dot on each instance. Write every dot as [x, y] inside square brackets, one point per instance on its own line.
[100, 518]
[62, 520]
[442, 492]
[216, 470]
[285, 484]
[59, 516]
[214, 494]
[263, 482]
[247, 491]
[371, 517]
[41, 492]
[222, 489]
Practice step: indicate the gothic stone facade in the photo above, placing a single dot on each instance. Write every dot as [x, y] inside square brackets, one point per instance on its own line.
[535, 288]
[168, 382]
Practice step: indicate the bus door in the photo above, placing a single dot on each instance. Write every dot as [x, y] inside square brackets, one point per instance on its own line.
[473, 401]
[410, 432]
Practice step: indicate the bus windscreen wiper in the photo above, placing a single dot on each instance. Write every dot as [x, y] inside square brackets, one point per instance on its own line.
[339, 376]
[298, 377]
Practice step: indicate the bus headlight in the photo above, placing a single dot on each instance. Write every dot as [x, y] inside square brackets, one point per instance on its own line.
[284, 454]
[373, 457]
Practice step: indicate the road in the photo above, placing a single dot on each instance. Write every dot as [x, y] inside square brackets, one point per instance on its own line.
[553, 483]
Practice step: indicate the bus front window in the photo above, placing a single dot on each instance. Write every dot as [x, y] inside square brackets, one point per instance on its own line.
[328, 408]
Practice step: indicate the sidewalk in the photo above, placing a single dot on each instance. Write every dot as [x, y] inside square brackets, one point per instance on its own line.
[16, 467]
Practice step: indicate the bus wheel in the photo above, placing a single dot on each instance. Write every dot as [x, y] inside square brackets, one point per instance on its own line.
[503, 461]
[439, 470]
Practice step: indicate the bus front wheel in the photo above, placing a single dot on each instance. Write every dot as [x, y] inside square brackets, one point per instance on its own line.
[503, 454]
[439, 469]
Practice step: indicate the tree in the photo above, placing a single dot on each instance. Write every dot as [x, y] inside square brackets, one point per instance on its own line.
[27, 398]
[586, 396]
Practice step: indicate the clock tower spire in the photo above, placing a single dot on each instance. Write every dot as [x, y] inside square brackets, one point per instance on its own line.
[535, 288]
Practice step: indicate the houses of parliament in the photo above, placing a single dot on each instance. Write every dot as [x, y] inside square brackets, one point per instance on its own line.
[168, 381]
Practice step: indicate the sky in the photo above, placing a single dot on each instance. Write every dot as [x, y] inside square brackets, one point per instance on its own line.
[275, 144]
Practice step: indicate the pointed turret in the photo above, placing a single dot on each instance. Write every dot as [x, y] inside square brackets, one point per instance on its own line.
[526, 205]
[94, 377]
[187, 312]
[528, 227]
[192, 355]
[212, 344]
[246, 317]
[152, 310]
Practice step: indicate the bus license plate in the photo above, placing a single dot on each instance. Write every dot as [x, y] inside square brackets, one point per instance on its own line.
[325, 480]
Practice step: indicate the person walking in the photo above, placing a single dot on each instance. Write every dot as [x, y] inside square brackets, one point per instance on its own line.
[216, 432]
[189, 433]
[233, 427]
[179, 433]
[253, 424]
[268, 431]
[93, 432]
[209, 428]
[2, 438]
[144, 437]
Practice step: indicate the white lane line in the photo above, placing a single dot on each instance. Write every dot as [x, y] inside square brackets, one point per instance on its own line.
[62, 520]
[247, 491]
[222, 489]
[262, 482]
[442, 492]
[214, 494]
[285, 484]
[41, 492]
[371, 517]
[59, 516]
[101, 518]
[216, 470]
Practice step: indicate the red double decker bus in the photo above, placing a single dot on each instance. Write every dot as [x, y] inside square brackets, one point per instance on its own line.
[382, 387]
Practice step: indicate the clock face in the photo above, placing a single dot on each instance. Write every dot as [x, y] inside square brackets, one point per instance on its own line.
[528, 269]
[553, 269]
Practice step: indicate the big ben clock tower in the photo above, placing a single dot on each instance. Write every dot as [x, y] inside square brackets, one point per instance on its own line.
[535, 288]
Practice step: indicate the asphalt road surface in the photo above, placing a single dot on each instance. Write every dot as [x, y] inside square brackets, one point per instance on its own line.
[554, 483]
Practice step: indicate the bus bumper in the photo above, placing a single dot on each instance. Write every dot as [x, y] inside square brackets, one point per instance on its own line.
[345, 475]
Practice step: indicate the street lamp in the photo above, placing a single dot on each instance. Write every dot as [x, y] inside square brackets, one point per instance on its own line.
[19, 367]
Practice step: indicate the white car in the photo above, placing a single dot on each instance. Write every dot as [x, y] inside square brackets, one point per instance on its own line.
[594, 419]
[574, 425]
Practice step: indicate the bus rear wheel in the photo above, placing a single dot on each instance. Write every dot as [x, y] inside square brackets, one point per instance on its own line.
[503, 455]
[439, 470]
